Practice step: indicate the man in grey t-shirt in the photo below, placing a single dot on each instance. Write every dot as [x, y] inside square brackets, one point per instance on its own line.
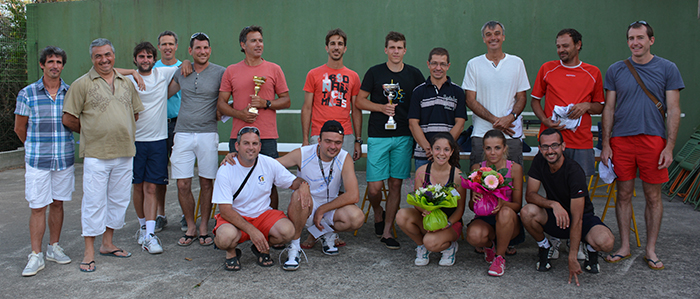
[196, 136]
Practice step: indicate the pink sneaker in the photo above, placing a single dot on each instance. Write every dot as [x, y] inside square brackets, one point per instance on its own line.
[490, 254]
[498, 266]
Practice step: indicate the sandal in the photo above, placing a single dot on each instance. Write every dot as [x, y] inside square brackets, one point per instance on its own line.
[511, 250]
[234, 263]
[649, 263]
[187, 242]
[263, 259]
[90, 268]
[203, 240]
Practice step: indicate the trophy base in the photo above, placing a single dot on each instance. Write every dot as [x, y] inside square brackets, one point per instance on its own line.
[388, 126]
[253, 110]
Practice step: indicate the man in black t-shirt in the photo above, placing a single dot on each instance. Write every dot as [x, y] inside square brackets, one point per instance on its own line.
[567, 211]
[389, 149]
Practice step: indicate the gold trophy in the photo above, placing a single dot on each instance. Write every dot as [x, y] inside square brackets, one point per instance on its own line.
[259, 81]
[390, 92]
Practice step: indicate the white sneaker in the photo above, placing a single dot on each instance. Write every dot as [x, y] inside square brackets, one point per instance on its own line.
[151, 243]
[293, 258]
[140, 235]
[448, 255]
[554, 249]
[581, 255]
[328, 242]
[55, 253]
[34, 265]
[422, 256]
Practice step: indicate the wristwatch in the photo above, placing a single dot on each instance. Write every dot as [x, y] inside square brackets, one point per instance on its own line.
[513, 114]
[358, 141]
[449, 224]
[268, 104]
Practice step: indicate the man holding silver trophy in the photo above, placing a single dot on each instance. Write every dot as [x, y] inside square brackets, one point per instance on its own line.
[386, 91]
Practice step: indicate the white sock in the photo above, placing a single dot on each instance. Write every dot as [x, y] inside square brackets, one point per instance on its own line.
[142, 222]
[150, 227]
[590, 249]
[295, 243]
[544, 243]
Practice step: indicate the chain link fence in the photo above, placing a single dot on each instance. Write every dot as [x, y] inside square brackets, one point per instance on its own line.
[13, 68]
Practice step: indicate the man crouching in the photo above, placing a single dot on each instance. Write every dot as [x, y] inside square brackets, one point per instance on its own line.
[242, 191]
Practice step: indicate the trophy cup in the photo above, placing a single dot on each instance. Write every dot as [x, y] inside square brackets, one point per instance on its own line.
[390, 92]
[259, 81]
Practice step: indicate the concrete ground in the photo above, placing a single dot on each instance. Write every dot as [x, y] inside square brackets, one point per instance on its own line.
[364, 269]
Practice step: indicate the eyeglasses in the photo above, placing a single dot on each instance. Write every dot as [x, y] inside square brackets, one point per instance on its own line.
[246, 130]
[442, 64]
[198, 34]
[639, 22]
[546, 147]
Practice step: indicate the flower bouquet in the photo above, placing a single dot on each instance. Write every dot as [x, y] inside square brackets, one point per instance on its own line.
[491, 184]
[432, 198]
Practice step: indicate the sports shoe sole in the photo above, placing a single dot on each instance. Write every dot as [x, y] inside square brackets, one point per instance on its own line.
[33, 273]
[57, 261]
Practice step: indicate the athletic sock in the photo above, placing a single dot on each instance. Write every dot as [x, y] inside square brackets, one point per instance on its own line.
[544, 243]
[150, 227]
[590, 249]
[142, 221]
[295, 243]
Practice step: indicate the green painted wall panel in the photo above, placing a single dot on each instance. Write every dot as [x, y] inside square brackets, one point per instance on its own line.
[294, 34]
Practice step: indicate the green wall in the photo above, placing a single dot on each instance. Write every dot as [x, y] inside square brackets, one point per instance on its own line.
[294, 34]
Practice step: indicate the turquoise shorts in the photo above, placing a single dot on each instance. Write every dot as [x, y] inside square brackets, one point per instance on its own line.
[389, 157]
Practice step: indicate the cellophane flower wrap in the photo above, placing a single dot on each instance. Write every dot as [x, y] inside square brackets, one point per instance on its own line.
[432, 198]
[492, 184]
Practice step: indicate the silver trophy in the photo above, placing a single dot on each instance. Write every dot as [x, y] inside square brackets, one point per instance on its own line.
[390, 93]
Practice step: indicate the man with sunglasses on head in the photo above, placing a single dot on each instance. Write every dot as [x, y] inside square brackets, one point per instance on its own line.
[326, 166]
[242, 191]
[566, 212]
[251, 107]
[640, 124]
[196, 136]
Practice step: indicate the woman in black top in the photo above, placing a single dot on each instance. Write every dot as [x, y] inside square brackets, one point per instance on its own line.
[443, 170]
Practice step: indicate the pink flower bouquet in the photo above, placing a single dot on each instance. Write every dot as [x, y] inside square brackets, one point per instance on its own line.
[491, 184]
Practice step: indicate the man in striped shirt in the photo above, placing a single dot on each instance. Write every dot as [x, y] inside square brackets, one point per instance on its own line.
[49, 155]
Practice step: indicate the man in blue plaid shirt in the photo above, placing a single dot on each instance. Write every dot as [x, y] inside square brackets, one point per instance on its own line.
[49, 155]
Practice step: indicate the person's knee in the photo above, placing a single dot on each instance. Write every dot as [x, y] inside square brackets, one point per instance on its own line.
[402, 217]
[56, 205]
[184, 185]
[283, 230]
[506, 216]
[603, 239]
[227, 235]
[476, 235]
[356, 217]
[529, 212]
[149, 188]
[434, 242]
[395, 184]
[374, 188]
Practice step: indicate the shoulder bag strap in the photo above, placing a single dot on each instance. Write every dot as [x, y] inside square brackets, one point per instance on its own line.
[245, 180]
[641, 84]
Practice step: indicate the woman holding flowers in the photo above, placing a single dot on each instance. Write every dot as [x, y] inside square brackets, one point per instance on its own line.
[438, 179]
[502, 225]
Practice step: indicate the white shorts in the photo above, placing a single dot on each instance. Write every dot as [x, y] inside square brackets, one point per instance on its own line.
[42, 187]
[106, 194]
[188, 146]
[326, 221]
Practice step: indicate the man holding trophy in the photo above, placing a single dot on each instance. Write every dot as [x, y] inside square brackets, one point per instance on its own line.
[253, 84]
[386, 91]
[330, 92]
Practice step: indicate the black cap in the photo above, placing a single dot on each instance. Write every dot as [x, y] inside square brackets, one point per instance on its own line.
[333, 126]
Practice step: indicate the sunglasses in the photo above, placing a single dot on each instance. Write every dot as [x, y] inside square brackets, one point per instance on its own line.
[198, 34]
[246, 130]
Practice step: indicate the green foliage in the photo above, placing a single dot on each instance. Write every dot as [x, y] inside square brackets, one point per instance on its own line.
[13, 67]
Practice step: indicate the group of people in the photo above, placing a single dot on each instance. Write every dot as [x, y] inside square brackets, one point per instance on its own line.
[133, 122]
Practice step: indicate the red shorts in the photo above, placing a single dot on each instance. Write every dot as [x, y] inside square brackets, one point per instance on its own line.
[638, 152]
[264, 223]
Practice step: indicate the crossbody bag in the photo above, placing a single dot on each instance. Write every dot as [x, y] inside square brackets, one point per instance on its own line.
[245, 180]
[656, 101]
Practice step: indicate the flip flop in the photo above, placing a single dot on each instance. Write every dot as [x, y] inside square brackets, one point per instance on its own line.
[128, 254]
[203, 240]
[511, 250]
[609, 258]
[262, 258]
[188, 240]
[233, 262]
[647, 260]
[339, 243]
[88, 264]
